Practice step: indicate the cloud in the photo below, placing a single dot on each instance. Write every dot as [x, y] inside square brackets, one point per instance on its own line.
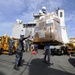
[10, 10]
[70, 21]
[12, 5]
[14, 8]
[53, 4]
[6, 28]
[71, 34]
[33, 6]
[2, 17]
[70, 17]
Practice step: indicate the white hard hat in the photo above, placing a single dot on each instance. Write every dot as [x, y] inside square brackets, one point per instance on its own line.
[21, 34]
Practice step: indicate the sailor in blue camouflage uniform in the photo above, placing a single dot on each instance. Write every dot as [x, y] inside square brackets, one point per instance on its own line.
[11, 45]
[47, 53]
[20, 50]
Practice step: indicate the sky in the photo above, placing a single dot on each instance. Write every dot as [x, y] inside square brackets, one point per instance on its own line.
[10, 10]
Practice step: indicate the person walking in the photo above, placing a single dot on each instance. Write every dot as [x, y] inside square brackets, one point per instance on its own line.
[47, 53]
[19, 54]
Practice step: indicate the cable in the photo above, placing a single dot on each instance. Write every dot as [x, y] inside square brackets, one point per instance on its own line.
[26, 65]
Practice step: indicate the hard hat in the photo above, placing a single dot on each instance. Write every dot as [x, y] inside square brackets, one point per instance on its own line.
[21, 34]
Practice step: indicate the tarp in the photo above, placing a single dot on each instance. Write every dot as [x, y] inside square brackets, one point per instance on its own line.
[47, 28]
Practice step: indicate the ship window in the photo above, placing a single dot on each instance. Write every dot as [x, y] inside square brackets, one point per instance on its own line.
[60, 14]
[28, 25]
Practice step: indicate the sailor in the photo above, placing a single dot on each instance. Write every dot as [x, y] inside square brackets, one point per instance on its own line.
[47, 52]
[19, 53]
[11, 45]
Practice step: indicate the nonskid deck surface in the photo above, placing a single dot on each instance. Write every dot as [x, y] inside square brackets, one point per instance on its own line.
[33, 65]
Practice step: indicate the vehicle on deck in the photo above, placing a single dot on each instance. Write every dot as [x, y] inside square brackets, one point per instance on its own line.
[4, 45]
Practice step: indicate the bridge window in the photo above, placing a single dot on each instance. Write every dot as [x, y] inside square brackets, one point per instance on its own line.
[60, 14]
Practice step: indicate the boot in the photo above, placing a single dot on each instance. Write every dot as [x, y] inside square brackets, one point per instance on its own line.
[16, 67]
[44, 61]
[20, 64]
